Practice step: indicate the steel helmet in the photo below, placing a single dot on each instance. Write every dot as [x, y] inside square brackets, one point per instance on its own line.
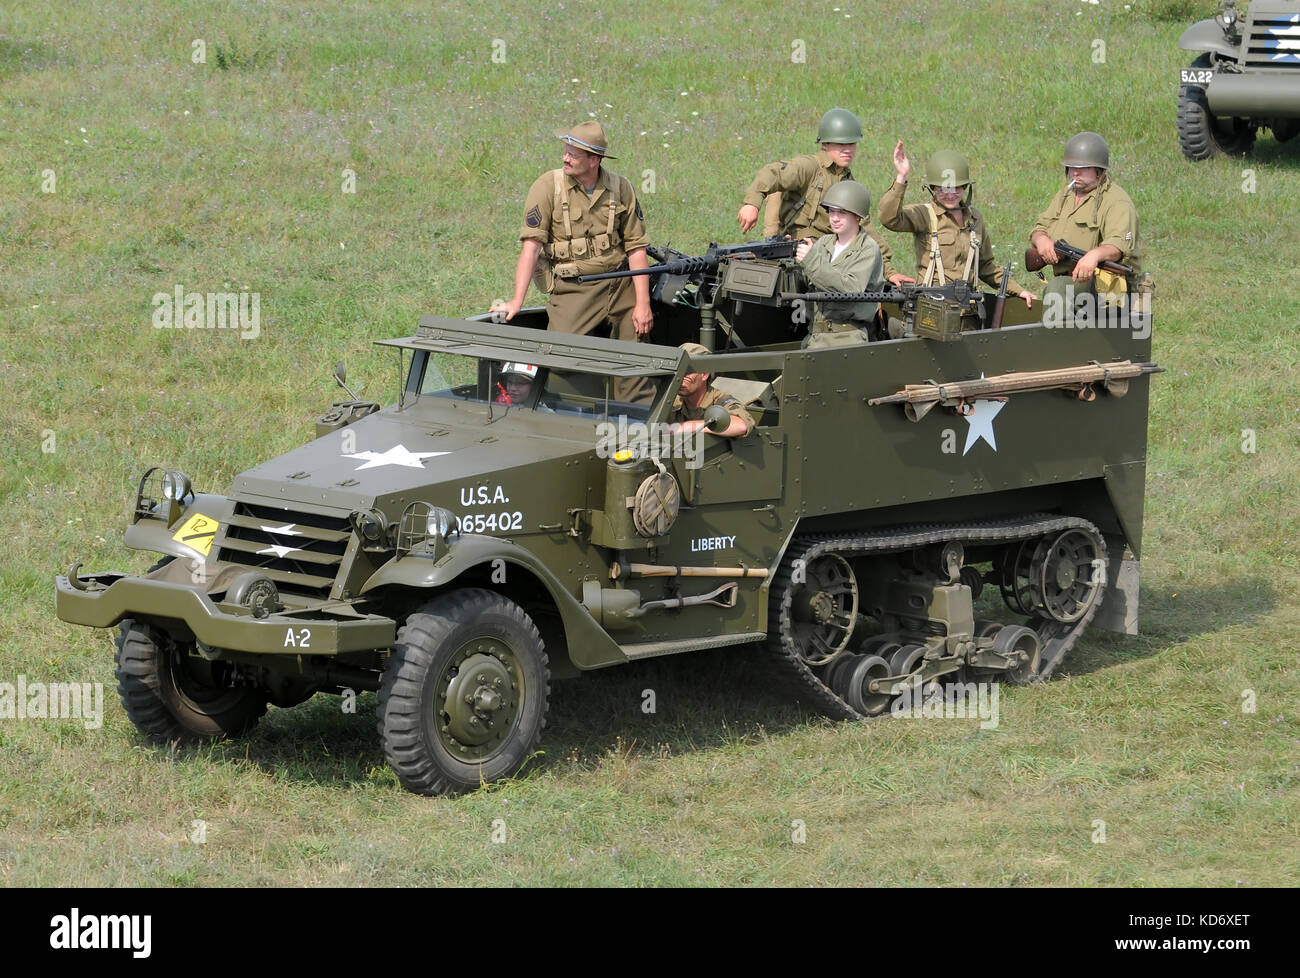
[849, 195]
[522, 369]
[839, 126]
[1087, 149]
[948, 169]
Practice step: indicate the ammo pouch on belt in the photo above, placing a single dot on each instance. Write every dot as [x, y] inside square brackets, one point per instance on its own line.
[581, 256]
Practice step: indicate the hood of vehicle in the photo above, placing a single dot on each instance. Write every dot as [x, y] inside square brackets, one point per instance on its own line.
[393, 457]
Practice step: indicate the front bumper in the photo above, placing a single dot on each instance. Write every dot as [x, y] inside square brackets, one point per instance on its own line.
[103, 600]
[1260, 95]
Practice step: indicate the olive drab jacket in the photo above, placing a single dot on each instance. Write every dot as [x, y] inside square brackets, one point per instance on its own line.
[945, 250]
[858, 268]
[802, 183]
[1105, 216]
[711, 396]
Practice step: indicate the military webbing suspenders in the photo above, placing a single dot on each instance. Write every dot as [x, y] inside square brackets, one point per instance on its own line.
[934, 274]
[562, 201]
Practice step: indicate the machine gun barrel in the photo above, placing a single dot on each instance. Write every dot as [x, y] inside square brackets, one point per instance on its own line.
[958, 291]
[707, 262]
[1071, 254]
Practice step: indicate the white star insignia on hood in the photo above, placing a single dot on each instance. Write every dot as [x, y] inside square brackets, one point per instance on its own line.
[397, 455]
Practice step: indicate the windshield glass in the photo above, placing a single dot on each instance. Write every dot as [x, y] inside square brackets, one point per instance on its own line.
[516, 385]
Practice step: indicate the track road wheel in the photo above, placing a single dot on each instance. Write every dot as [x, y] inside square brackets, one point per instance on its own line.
[171, 695]
[1200, 134]
[464, 695]
[858, 687]
[1022, 643]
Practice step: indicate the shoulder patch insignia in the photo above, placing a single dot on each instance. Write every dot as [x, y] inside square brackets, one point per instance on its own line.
[534, 217]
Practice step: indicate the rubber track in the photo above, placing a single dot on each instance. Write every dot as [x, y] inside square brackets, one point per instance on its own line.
[780, 643]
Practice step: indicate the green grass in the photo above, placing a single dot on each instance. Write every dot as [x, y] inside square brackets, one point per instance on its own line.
[227, 176]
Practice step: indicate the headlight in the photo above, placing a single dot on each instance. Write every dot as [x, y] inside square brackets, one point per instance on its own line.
[372, 527]
[175, 485]
[426, 529]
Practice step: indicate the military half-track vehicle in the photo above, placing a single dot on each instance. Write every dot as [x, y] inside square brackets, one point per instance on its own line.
[1246, 79]
[942, 506]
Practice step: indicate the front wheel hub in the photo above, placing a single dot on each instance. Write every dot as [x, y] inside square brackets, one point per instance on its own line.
[480, 701]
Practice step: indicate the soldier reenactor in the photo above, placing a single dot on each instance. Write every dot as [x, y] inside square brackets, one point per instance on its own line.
[578, 220]
[1092, 213]
[696, 394]
[804, 181]
[949, 233]
[846, 260]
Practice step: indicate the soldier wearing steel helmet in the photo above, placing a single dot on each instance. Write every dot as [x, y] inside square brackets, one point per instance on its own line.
[949, 233]
[578, 220]
[846, 260]
[804, 181]
[1092, 213]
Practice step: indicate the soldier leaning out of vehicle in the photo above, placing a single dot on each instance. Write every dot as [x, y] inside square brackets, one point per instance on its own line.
[1092, 213]
[949, 233]
[804, 181]
[846, 260]
[697, 393]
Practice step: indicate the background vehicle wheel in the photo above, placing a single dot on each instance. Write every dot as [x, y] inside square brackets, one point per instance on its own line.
[1200, 134]
[171, 695]
[464, 695]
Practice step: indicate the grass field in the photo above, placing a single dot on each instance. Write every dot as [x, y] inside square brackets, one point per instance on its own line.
[126, 169]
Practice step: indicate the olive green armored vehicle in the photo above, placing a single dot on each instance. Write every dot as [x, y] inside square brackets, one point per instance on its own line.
[957, 503]
[1246, 79]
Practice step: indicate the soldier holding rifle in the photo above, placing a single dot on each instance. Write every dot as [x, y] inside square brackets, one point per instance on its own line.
[1091, 213]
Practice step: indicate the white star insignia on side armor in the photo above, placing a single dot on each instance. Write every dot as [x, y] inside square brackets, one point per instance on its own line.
[980, 421]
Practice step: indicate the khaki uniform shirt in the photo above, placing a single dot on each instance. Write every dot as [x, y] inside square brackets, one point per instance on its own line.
[711, 396]
[954, 238]
[858, 268]
[1104, 216]
[593, 243]
[802, 183]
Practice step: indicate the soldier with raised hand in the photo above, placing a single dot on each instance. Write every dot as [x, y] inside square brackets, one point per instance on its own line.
[1092, 213]
[949, 233]
[804, 181]
[846, 260]
[578, 220]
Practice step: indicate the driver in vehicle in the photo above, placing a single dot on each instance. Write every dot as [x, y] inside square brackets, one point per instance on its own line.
[515, 383]
[696, 394]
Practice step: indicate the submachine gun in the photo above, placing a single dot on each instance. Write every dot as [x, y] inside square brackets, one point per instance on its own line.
[754, 272]
[1071, 255]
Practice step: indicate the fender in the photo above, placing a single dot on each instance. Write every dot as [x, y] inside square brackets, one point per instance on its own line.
[153, 536]
[590, 647]
[1207, 35]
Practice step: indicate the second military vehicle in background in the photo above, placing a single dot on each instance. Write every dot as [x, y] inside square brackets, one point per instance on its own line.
[1246, 79]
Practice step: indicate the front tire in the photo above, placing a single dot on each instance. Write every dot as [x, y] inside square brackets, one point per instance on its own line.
[464, 695]
[172, 696]
[1200, 134]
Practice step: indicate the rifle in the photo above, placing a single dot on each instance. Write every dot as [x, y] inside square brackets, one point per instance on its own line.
[1071, 254]
[1002, 298]
[707, 262]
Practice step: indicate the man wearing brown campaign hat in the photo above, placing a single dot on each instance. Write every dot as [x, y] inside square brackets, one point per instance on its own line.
[579, 220]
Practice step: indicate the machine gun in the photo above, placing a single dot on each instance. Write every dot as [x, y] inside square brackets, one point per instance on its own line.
[1071, 254]
[937, 312]
[693, 265]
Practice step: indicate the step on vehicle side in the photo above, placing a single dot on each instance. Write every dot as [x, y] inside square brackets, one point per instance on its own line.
[951, 505]
[1246, 79]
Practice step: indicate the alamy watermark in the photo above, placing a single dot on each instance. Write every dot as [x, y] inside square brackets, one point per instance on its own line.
[179, 309]
[656, 439]
[1085, 310]
[950, 701]
[53, 701]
